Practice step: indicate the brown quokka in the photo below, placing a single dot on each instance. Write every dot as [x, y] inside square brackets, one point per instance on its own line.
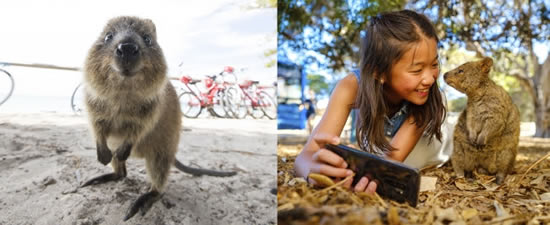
[486, 135]
[132, 108]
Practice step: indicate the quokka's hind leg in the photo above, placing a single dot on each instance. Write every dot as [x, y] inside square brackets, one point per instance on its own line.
[119, 168]
[158, 167]
[507, 165]
[457, 159]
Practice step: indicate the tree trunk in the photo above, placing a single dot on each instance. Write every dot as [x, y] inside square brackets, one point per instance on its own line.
[541, 128]
[542, 106]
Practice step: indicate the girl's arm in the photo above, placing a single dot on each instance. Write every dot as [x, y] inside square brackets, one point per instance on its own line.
[315, 159]
[405, 139]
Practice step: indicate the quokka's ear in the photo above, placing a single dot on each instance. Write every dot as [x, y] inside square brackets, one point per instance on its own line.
[153, 27]
[486, 64]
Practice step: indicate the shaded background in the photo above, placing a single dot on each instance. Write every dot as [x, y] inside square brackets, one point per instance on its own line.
[323, 37]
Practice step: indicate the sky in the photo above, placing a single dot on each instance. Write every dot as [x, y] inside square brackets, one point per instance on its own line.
[197, 38]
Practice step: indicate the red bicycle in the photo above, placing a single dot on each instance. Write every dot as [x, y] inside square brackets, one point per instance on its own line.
[193, 101]
[254, 101]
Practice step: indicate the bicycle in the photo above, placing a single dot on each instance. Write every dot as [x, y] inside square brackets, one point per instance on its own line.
[193, 101]
[254, 101]
[7, 85]
[76, 100]
[216, 101]
[268, 103]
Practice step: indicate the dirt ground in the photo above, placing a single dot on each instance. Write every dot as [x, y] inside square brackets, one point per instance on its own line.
[45, 157]
[524, 198]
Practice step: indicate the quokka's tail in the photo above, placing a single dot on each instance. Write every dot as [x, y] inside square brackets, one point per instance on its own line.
[200, 172]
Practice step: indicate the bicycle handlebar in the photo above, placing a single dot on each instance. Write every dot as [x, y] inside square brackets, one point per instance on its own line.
[225, 72]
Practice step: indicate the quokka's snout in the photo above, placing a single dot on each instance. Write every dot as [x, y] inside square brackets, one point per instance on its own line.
[127, 54]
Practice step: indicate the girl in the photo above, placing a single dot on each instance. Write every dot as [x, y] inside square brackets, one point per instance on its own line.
[400, 107]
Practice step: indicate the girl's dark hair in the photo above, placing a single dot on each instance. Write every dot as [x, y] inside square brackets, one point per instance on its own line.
[389, 36]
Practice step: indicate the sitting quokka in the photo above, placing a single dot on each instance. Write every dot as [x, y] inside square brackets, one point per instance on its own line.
[486, 135]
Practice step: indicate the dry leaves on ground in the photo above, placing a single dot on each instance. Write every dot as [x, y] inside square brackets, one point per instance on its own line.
[524, 197]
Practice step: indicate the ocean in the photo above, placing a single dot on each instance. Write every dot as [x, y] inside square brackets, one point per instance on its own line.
[37, 104]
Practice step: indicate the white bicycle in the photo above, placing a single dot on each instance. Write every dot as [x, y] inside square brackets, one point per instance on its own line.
[6, 86]
[77, 100]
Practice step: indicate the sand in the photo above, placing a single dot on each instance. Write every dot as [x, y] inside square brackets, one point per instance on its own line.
[44, 157]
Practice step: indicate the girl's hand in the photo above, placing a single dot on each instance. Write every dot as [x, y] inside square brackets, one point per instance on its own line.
[324, 161]
[330, 164]
[365, 185]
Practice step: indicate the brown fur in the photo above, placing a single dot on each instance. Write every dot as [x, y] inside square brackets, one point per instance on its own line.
[487, 132]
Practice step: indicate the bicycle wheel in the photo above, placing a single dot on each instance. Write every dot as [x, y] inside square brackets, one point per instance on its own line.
[268, 105]
[227, 103]
[6, 86]
[190, 105]
[234, 100]
[77, 100]
[254, 110]
[230, 78]
[218, 107]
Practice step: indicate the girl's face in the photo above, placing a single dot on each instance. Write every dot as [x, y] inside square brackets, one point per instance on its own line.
[414, 74]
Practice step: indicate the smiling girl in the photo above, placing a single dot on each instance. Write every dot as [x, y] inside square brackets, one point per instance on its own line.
[400, 107]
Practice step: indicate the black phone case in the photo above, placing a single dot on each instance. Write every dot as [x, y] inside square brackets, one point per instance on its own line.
[396, 181]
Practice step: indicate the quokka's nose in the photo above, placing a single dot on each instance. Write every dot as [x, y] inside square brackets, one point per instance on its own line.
[127, 49]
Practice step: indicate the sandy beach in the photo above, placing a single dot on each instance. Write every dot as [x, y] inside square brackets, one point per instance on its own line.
[44, 157]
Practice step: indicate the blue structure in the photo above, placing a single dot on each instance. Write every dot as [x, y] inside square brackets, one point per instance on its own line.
[291, 81]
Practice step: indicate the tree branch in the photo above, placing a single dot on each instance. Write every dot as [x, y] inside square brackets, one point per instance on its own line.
[476, 47]
[287, 35]
[546, 66]
[525, 81]
[525, 23]
[503, 34]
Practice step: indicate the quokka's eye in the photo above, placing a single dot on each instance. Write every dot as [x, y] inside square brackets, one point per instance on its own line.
[108, 37]
[460, 71]
[147, 40]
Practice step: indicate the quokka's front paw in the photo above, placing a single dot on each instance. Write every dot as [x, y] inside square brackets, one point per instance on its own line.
[123, 152]
[104, 155]
[472, 138]
[481, 139]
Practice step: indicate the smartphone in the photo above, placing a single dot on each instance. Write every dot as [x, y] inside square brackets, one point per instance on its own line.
[395, 180]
